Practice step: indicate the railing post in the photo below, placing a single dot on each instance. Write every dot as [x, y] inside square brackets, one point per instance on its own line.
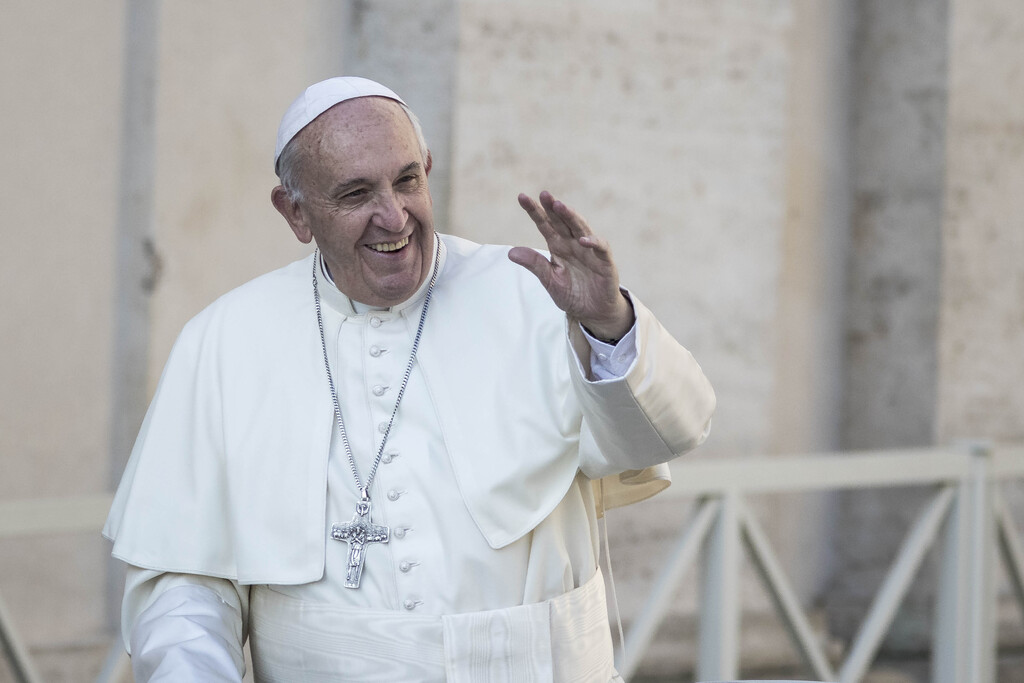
[718, 651]
[964, 644]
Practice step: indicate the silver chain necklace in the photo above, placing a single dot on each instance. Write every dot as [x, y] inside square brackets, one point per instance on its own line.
[361, 531]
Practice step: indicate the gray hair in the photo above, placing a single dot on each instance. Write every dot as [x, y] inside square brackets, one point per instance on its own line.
[289, 164]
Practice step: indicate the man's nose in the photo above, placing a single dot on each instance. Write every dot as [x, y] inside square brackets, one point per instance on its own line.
[390, 212]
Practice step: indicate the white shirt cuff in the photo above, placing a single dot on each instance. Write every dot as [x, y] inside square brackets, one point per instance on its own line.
[609, 361]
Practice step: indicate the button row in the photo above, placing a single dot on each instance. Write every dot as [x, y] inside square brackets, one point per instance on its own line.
[405, 566]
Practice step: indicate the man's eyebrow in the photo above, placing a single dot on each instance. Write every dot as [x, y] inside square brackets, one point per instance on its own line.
[343, 187]
[412, 166]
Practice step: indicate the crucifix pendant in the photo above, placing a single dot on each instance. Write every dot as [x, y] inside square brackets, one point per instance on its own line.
[358, 534]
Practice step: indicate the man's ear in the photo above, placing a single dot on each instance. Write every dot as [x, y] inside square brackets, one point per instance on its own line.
[430, 163]
[292, 212]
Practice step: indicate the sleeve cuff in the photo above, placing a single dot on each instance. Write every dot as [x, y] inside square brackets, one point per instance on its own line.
[609, 361]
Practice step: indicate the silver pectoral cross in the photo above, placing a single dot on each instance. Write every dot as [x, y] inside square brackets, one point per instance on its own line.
[358, 533]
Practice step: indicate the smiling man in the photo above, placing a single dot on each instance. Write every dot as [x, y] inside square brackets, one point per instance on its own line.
[385, 462]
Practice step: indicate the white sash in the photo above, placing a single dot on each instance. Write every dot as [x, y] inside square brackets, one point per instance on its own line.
[565, 639]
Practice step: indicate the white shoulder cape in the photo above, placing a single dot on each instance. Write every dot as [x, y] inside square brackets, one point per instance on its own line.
[228, 476]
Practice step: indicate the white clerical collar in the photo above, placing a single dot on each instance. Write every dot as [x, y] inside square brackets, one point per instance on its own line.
[341, 303]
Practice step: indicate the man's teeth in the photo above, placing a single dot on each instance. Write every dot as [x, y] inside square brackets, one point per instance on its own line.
[389, 246]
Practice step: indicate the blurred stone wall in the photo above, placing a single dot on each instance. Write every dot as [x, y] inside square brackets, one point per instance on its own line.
[981, 329]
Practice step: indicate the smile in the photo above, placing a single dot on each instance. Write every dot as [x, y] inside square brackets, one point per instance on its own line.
[389, 246]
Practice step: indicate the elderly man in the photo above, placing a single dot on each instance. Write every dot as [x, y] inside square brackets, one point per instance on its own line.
[386, 461]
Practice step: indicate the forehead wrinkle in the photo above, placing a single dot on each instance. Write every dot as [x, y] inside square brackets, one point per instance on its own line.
[329, 137]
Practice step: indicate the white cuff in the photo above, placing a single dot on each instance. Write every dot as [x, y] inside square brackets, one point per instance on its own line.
[609, 361]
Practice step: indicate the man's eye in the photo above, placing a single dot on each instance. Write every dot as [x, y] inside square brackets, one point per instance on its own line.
[407, 179]
[353, 195]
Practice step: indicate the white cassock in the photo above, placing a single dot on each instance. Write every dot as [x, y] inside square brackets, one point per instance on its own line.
[226, 506]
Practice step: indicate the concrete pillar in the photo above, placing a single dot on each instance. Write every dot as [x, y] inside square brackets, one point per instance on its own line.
[898, 103]
[136, 267]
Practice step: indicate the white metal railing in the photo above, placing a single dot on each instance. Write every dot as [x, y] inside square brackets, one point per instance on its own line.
[967, 509]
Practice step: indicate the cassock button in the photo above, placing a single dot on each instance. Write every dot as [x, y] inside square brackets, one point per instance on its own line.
[399, 532]
[386, 458]
[382, 428]
[379, 390]
[375, 351]
[375, 321]
[409, 604]
[404, 567]
[393, 495]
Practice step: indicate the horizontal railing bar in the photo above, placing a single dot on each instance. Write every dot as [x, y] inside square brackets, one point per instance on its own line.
[874, 469]
[815, 473]
[36, 516]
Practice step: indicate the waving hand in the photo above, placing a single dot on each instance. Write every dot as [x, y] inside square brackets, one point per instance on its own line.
[581, 276]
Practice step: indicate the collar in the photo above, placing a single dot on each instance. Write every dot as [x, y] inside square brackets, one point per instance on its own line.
[341, 303]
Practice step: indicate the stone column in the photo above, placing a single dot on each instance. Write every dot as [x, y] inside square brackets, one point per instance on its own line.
[898, 103]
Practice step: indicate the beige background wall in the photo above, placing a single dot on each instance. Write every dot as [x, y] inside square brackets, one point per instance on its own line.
[821, 200]
[61, 84]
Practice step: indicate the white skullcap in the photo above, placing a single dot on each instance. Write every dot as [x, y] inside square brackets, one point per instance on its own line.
[320, 97]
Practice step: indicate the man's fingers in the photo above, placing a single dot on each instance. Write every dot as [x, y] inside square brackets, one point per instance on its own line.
[539, 216]
[574, 224]
[598, 247]
[533, 261]
[552, 217]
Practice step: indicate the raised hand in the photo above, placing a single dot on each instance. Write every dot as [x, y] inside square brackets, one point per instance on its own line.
[581, 276]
